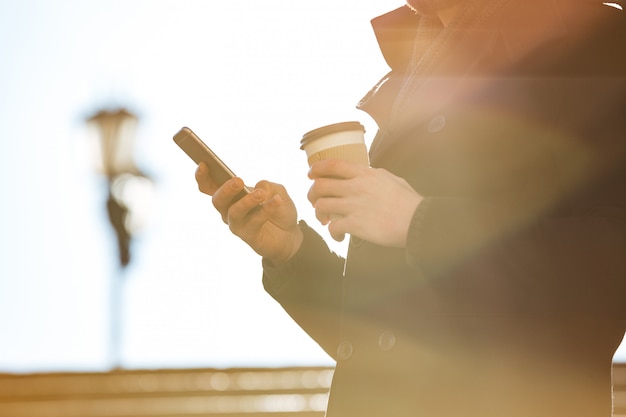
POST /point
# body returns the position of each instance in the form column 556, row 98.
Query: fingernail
column 258, row 195
column 236, row 184
column 276, row 200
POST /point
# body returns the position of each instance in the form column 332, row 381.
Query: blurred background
column 249, row 78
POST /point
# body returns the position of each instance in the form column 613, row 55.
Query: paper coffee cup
column 344, row 140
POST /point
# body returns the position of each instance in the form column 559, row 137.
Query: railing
column 261, row 392
column 284, row 392
column 619, row 390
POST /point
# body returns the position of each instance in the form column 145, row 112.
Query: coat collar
column 395, row 32
column 524, row 25
column 527, row 42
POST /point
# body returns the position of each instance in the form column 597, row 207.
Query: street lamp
column 126, row 186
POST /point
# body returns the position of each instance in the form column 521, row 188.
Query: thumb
column 334, row 228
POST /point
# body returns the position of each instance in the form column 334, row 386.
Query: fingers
column 330, row 209
column 332, row 179
column 245, row 220
column 328, row 188
column 228, row 195
column 336, row 234
column 204, row 180
column 254, row 209
column 240, row 209
column 336, row 168
column 337, row 214
column 270, row 188
column 267, row 204
column 274, row 193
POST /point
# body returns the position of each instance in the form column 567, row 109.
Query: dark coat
column 510, row 299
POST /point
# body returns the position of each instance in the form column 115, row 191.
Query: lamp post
column 115, row 130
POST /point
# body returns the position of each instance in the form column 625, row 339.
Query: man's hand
column 266, row 219
column 370, row 203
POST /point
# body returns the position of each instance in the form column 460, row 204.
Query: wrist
column 293, row 244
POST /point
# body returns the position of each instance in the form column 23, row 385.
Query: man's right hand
column 266, row 219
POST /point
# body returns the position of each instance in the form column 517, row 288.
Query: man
column 486, row 272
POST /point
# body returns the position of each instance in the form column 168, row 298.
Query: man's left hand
column 370, row 203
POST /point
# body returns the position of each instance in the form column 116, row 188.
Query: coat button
column 386, row 341
column 437, row 123
column 344, row 351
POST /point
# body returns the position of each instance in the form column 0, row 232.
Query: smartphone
column 198, row 151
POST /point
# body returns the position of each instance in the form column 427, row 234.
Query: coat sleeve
column 572, row 263
column 308, row 287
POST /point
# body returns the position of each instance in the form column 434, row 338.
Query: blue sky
column 249, row 77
